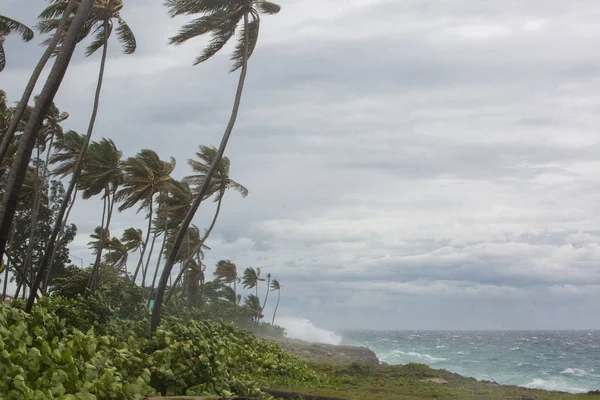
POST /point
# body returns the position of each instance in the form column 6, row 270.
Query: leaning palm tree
column 102, row 174
column 251, row 278
column 117, row 255
column 59, row 35
column 145, row 175
column 226, row 272
column 133, row 239
column 221, row 19
column 27, row 143
column 267, row 291
column 275, row 286
column 8, row 26
column 99, row 21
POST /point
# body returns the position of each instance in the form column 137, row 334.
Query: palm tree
column 133, row 240
column 145, row 175
column 252, row 303
column 8, row 26
column 117, row 255
column 50, row 49
column 99, row 21
column 102, row 174
column 27, row 142
column 251, row 278
column 267, row 291
column 221, row 19
column 275, row 286
column 226, row 272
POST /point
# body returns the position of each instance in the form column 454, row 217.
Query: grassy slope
column 408, row 382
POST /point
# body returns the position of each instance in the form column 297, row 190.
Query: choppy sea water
column 567, row 361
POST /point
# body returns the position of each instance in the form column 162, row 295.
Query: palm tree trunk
column 5, row 285
column 27, row 266
column 110, row 202
column 267, row 295
column 160, row 253
column 58, row 239
column 141, row 261
column 7, row 266
column 78, row 164
column 22, row 106
column 145, row 269
column 277, row 305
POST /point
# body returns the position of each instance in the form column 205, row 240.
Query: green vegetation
column 407, row 382
column 45, row 356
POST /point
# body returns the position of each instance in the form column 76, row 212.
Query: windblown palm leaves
column 99, row 23
column 68, row 148
column 102, row 170
column 117, row 255
column 252, row 303
column 275, row 286
column 220, row 181
column 221, row 19
column 251, row 278
column 7, row 27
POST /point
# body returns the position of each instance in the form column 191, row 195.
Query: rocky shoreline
column 327, row 353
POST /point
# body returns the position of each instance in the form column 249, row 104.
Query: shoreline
column 343, row 355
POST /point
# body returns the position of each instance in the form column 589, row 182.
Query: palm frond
column 198, row 27
column 8, row 26
column 221, row 36
column 266, row 7
column 238, row 53
column 99, row 41
column 54, row 11
column 126, row 37
column 189, row 7
column 2, row 56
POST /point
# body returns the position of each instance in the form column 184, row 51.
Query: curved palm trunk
column 206, row 235
column 7, row 266
column 58, row 239
column 110, row 203
column 277, row 305
column 267, row 295
column 22, row 106
column 162, row 285
column 141, row 260
column 78, row 165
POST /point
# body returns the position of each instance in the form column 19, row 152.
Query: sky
column 412, row 164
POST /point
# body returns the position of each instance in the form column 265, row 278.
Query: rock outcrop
column 327, row 353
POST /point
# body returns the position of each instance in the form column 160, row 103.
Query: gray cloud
column 432, row 161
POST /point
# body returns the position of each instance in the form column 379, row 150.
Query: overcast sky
column 412, row 164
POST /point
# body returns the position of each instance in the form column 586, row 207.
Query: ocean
column 567, row 361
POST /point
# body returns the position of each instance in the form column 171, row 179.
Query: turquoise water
column 567, row 361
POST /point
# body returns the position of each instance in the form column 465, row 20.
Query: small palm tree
column 133, row 239
column 8, row 26
column 267, row 291
column 251, row 278
column 275, row 286
column 145, row 175
column 252, row 303
column 117, row 255
column 221, row 19
column 226, row 272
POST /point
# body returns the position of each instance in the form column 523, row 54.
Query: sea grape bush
column 43, row 357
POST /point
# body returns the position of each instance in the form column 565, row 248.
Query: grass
column 409, row 382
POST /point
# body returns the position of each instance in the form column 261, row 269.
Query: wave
column 304, row 329
column 420, row 356
column 575, row 371
column 538, row 383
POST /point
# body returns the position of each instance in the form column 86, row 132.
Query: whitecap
column 574, row 371
column 514, row 348
column 538, row 383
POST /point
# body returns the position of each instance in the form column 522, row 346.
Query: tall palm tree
column 267, row 291
column 99, row 21
column 27, row 143
column 60, row 33
column 102, row 174
column 8, row 26
column 221, row 19
column 251, row 278
column 226, row 272
column 275, row 286
column 145, row 175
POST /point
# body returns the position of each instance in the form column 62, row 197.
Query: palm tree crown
column 8, row 26
column 220, row 19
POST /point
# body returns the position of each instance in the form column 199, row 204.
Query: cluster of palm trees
column 227, row 273
column 69, row 22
